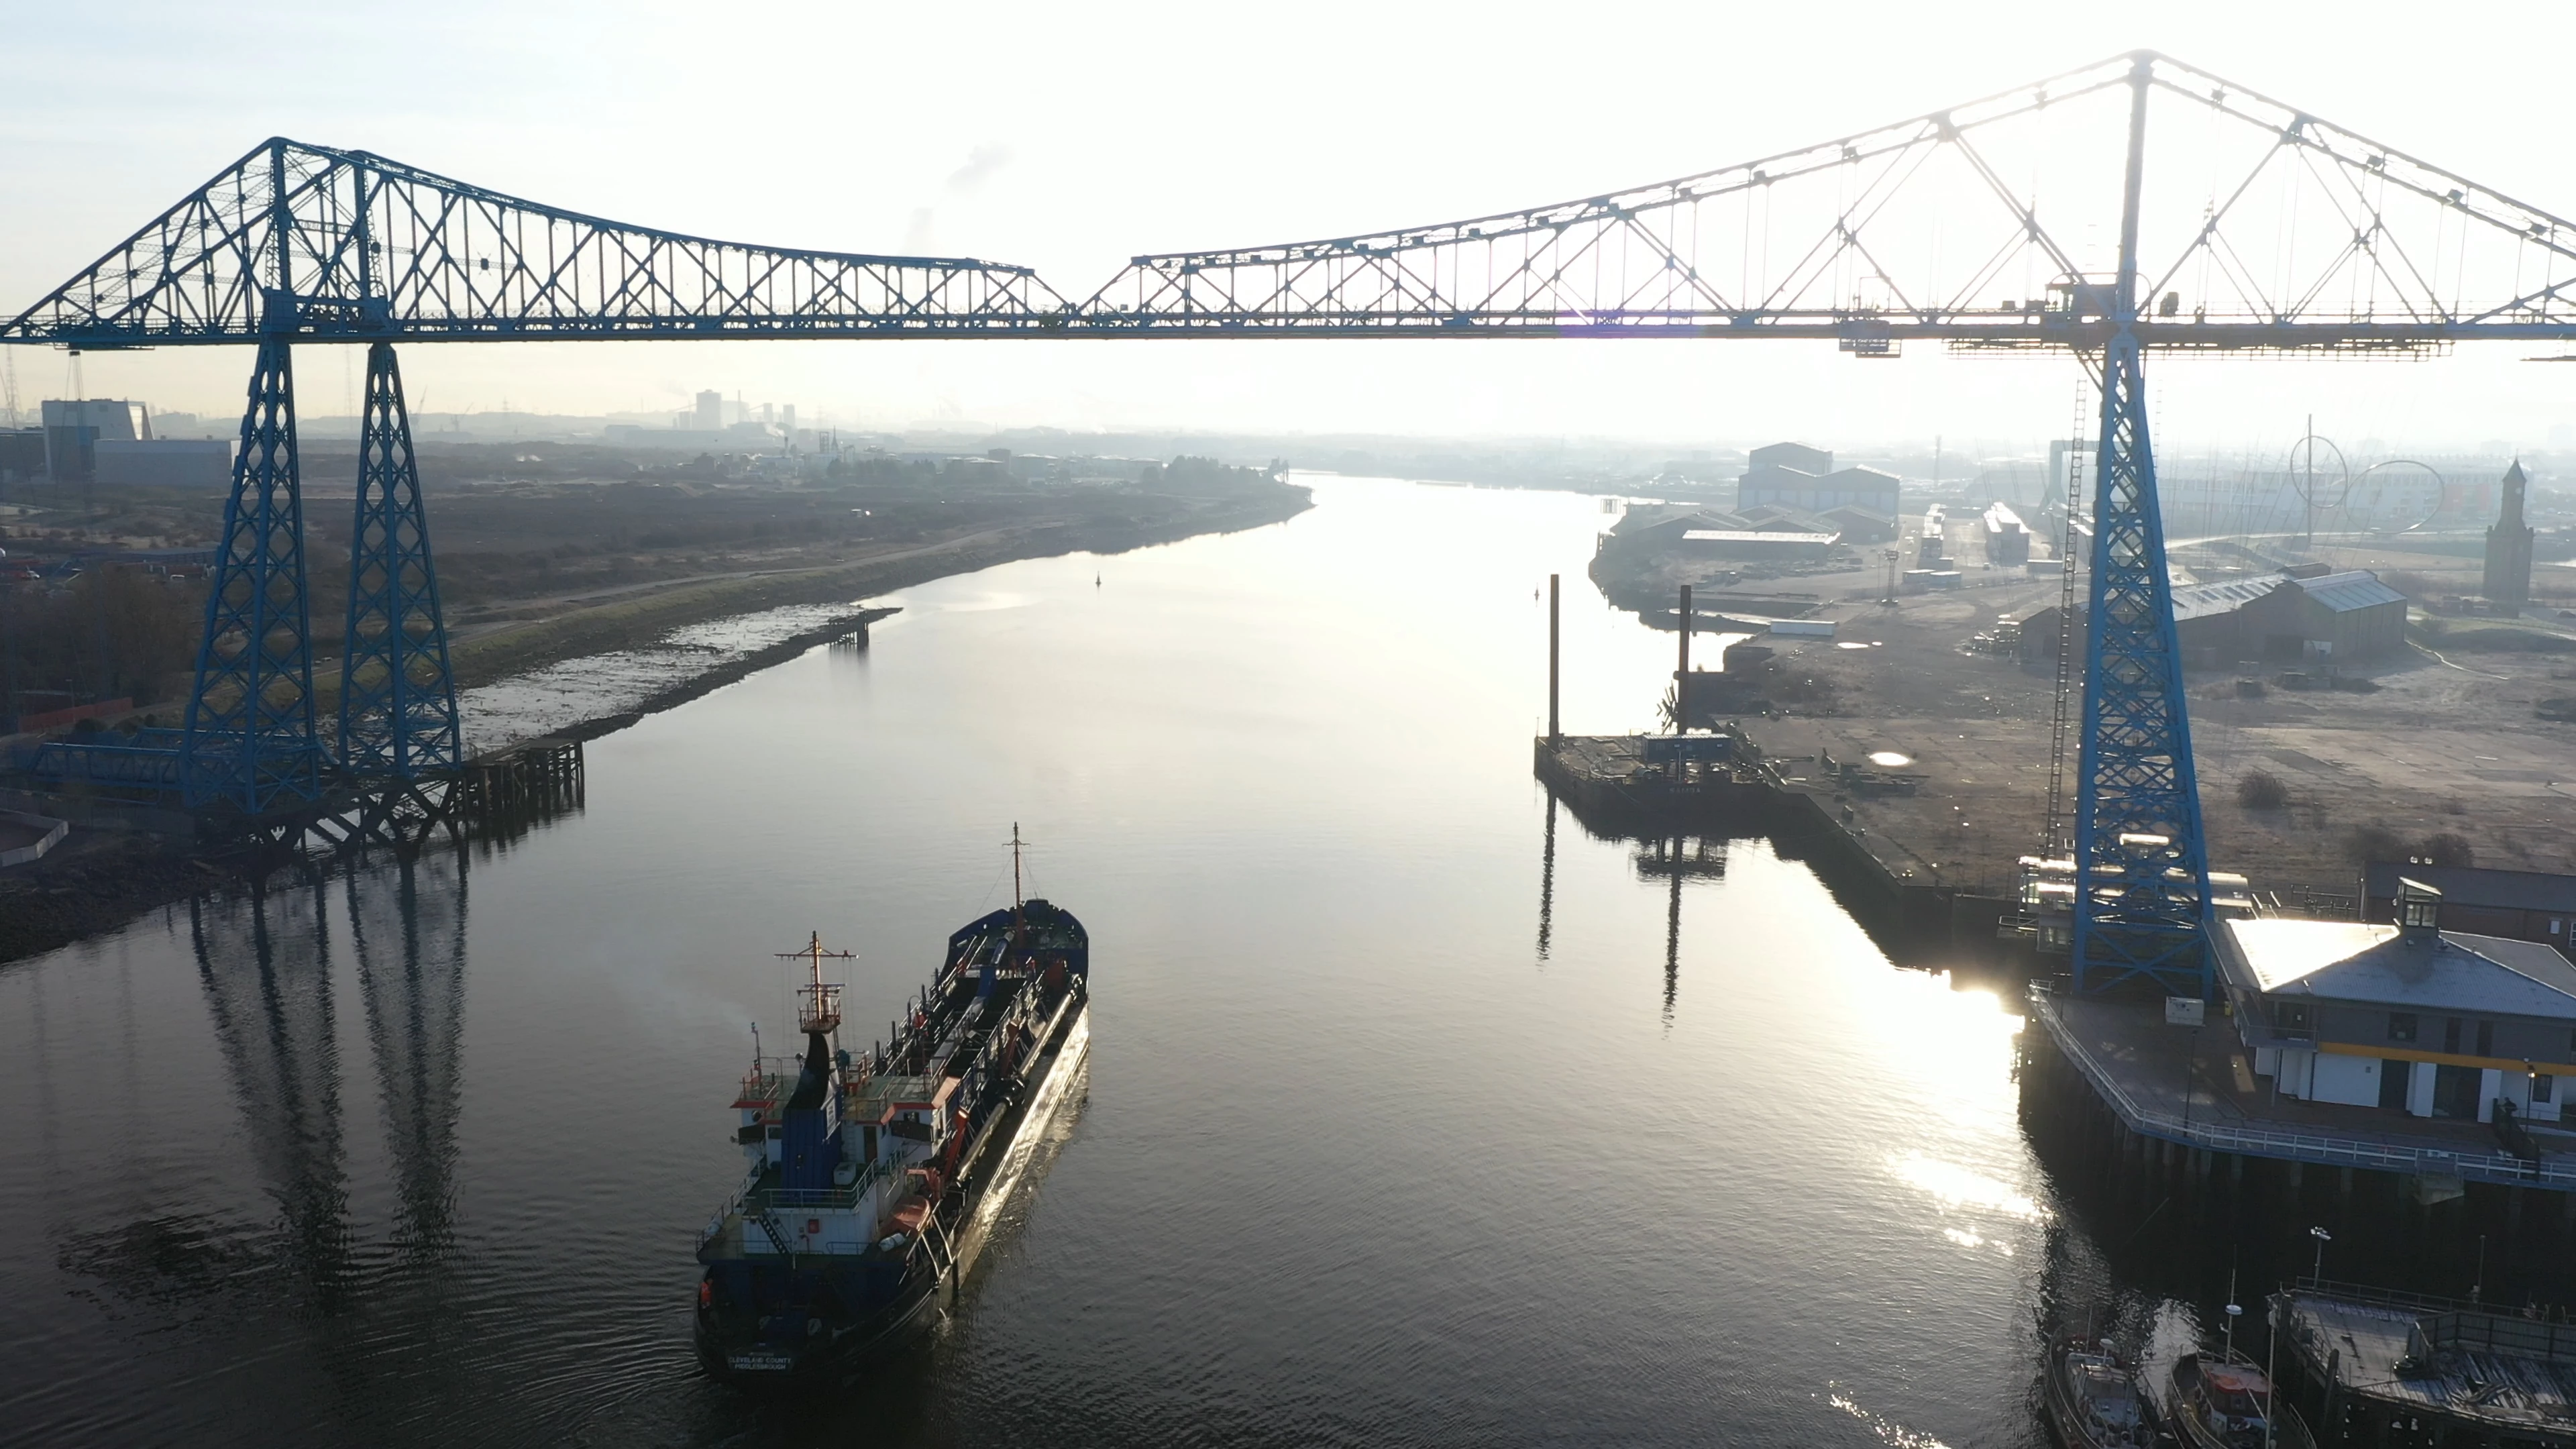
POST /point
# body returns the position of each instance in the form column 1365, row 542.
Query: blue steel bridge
column 2134, row 206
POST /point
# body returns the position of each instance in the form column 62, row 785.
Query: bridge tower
column 249, row 744
column 398, row 717
column 2141, row 858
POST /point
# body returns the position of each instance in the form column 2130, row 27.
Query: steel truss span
column 1983, row 225
column 315, row 244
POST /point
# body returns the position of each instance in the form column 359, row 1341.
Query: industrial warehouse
column 2306, row 614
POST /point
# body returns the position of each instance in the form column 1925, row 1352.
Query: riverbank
column 662, row 648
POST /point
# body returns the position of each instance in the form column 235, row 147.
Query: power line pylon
column 2141, row 858
column 398, row 718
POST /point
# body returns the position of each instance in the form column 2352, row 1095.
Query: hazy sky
column 1068, row 137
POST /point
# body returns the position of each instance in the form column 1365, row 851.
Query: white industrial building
column 2407, row 1017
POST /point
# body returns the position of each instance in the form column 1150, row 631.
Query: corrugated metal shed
column 2199, row 601
column 2351, row 589
column 1738, row 535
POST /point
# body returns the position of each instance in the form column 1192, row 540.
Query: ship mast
column 1018, row 950
column 818, row 1003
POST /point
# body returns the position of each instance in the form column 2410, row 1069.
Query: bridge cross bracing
column 2258, row 227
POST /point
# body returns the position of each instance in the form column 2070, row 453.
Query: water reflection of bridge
column 264, row 961
column 408, row 934
column 334, row 1253
column 267, row 964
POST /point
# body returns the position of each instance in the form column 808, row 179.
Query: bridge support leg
column 398, row 717
column 2141, row 862
column 249, row 743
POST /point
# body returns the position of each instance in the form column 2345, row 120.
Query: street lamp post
column 2318, row 1273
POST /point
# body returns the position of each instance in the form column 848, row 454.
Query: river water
column 1414, row 1114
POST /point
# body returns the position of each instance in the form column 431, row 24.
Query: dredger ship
column 863, row 1174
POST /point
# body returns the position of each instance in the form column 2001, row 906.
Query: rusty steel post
column 1554, row 734
column 1681, row 681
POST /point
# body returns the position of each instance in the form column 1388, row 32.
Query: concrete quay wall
column 1912, row 916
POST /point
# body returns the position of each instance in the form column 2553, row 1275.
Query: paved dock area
column 1964, row 827
column 2197, row 1087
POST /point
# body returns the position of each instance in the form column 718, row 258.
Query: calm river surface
column 1372, row 1152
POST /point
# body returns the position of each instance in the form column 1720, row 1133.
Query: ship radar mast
column 818, row 1002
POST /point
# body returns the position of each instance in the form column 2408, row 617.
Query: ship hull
column 898, row 1314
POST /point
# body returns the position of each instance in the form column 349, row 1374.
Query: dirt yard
column 2449, row 744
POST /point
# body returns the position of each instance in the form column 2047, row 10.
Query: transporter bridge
column 2029, row 221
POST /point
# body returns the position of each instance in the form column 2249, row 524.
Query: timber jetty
column 2374, row 1367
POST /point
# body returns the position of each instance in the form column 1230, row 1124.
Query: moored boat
column 864, row 1174
column 2216, row 1401
column 2092, row 1398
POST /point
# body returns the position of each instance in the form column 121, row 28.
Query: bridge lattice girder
column 318, row 244
column 1982, row 225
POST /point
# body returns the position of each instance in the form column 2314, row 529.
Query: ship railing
column 2390, row 1298
column 2225, row 1136
column 753, row 1203
column 834, row 1198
